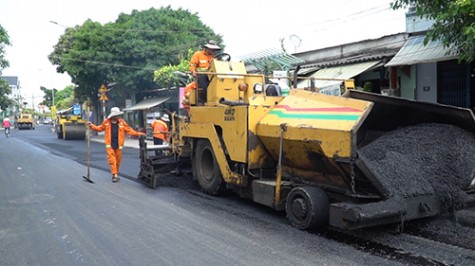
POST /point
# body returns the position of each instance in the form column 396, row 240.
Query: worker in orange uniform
column 160, row 130
column 187, row 94
column 200, row 62
column 114, row 138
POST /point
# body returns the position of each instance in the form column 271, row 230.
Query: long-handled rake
column 88, row 177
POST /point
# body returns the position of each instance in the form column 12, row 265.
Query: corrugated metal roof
column 352, row 60
column 260, row 58
column 337, row 73
column 415, row 52
column 383, row 48
column 147, row 103
column 305, row 71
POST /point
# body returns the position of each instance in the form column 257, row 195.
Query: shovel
column 88, row 177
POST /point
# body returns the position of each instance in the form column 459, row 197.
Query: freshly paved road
column 50, row 216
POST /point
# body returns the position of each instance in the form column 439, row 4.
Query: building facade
column 363, row 61
column 430, row 72
column 15, row 95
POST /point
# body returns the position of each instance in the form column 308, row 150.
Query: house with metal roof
column 430, row 72
column 400, row 65
column 362, row 61
column 15, row 94
column 14, row 84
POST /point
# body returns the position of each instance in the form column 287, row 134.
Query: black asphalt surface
column 50, row 216
column 76, row 150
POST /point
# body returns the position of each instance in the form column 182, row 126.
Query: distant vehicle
column 47, row 121
column 26, row 121
column 69, row 124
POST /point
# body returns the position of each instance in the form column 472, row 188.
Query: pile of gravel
column 424, row 159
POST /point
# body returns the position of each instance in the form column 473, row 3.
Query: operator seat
column 273, row 90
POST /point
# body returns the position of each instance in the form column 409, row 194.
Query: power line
column 329, row 23
column 105, row 64
column 333, row 23
column 104, row 28
column 153, row 69
column 358, row 14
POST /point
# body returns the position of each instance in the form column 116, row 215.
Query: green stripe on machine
column 315, row 116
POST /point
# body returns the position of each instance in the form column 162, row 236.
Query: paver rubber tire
column 307, row 207
column 206, row 170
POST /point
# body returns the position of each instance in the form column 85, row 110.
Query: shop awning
column 415, row 52
column 339, row 73
column 147, row 103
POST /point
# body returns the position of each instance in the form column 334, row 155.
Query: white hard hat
column 115, row 111
column 213, row 45
column 165, row 118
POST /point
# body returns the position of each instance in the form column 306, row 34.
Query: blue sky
column 247, row 26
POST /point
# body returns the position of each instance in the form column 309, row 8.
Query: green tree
column 127, row 51
column 4, row 41
column 5, row 90
column 454, row 23
column 80, row 52
column 63, row 99
column 174, row 75
column 66, row 98
column 48, row 98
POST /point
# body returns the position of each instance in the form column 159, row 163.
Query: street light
column 55, row 23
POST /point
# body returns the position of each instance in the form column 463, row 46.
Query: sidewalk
column 129, row 142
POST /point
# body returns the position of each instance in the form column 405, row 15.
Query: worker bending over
column 160, row 130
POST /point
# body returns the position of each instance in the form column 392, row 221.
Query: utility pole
column 103, row 98
column 104, row 110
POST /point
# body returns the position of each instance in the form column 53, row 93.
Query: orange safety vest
column 189, row 87
column 200, row 61
column 158, row 127
column 187, row 93
column 123, row 128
